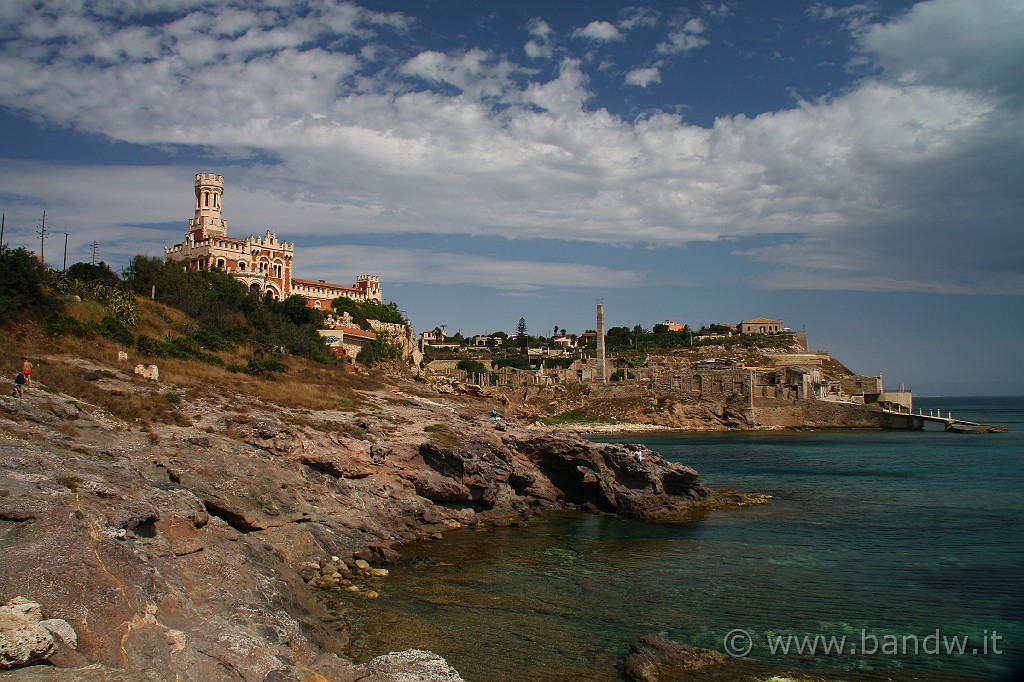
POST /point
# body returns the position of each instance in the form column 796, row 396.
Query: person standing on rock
column 19, row 383
column 26, row 368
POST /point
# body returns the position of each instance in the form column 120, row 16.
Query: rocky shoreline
column 199, row 551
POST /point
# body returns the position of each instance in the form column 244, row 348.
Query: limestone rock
column 411, row 665
column 25, row 638
column 151, row 372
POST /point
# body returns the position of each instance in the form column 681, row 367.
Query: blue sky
column 852, row 168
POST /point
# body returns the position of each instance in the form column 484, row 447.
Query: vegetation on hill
column 225, row 325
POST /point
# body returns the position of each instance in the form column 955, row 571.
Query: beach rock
column 654, row 658
column 409, row 665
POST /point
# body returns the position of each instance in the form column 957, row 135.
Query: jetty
column 907, row 420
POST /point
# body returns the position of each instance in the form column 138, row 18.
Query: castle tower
column 208, row 223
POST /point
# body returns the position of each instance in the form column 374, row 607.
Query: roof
column 322, row 285
column 355, row 332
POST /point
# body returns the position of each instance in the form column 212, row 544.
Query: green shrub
column 115, row 330
column 59, row 323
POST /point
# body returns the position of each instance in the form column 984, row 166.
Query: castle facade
column 263, row 264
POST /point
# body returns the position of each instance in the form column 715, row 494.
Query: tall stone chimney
column 602, row 373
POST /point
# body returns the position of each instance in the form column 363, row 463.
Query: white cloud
column 643, row 77
column 542, row 45
column 600, row 32
column 638, row 17
column 420, row 266
column 686, row 38
column 873, row 188
column 956, row 43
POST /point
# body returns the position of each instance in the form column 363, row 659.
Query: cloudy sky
column 854, row 169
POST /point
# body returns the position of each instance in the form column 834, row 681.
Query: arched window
column 215, row 201
column 220, row 263
column 241, row 266
column 206, row 199
column 254, row 289
column 316, row 304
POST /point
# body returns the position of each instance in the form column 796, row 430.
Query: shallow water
column 875, row 536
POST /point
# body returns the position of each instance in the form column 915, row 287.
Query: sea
column 897, row 551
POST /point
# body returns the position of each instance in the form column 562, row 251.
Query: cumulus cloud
column 686, row 38
column 599, row 32
column 643, row 77
column 541, row 45
column 870, row 188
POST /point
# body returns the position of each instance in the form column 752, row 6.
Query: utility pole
column 3, row 223
column 65, row 252
column 41, row 231
column 94, row 250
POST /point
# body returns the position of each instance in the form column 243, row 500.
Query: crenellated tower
column 264, row 264
column 208, row 221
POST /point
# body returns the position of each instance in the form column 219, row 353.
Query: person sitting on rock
column 639, row 454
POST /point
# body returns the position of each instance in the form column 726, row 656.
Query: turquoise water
column 887, row 538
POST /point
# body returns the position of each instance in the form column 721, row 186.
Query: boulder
column 151, row 372
column 25, row 638
column 411, row 664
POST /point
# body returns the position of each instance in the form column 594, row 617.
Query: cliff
column 191, row 541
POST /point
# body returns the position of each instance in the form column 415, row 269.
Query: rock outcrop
column 196, row 552
column 26, row 638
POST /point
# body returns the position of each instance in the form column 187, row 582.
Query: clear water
column 875, row 534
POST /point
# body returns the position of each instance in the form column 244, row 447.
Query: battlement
column 262, row 262
column 209, row 179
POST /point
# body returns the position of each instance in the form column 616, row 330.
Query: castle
column 263, row 264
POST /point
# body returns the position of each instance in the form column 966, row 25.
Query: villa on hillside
column 264, row 264
column 761, row 325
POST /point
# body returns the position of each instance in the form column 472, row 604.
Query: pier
column 908, row 420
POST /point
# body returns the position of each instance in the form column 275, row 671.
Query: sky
column 854, row 169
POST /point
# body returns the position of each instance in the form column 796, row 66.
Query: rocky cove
column 200, row 549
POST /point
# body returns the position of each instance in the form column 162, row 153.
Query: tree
column 23, row 285
column 471, row 367
column 521, row 337
column 87, row 272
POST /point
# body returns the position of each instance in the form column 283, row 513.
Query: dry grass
column 68, row 430
column 306, row 385
column 444, row 435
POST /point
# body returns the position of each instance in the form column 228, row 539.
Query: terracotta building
column 263, row 264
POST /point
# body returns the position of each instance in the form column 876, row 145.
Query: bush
column 380, row 351
column 59, row 323
column 115, row 330
column 471, row 367
column 23, row 286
